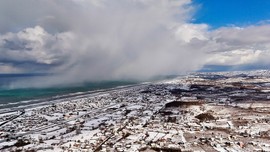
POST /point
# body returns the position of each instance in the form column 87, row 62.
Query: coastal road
column 12, row 118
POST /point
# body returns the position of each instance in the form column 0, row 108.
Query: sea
column 15, row 97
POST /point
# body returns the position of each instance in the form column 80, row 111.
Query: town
column 225, row 111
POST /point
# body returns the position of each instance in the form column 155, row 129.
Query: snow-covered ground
column 226, row 111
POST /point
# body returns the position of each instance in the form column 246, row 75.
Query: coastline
column 62, row 98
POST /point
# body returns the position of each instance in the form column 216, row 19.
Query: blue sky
column 218, row 13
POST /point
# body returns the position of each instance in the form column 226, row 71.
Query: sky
column 232, row 12
column 91, row 40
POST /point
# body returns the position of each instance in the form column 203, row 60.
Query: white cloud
column 187, row 32
column 235, row 57
column 240, row 45
column 33, row 45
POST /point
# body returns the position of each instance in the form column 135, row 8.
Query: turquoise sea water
column 10, row 97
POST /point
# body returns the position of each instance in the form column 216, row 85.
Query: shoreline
column 58, row 99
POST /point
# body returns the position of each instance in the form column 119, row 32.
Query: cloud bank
column 80, row 40
column 235, row 46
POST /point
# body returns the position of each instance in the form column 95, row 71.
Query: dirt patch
column 167, row 149
column 240, row 122
column 181, row 103
column 205, row 117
